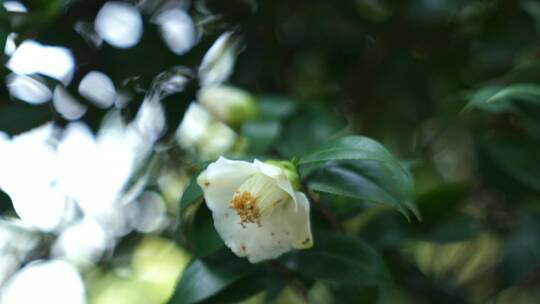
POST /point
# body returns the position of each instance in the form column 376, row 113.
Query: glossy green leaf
column 347, row 148
column 249, row 285
column 204, row 279
column 496, row 98
column 342, row 259
column 360, row 168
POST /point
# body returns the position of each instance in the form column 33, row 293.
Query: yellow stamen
column 245, row 205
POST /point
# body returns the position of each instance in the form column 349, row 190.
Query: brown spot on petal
column 207, row 183
column 306, row 241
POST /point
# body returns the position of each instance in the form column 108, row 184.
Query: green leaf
column 517, row 157
column 19, row 117
column 343, row 293
column 521, row 249
column 442, row 201
column 276, row 107
column 261, row 134
column 202, row 234
column 249, row 285
column 443, row 221
column 360, row 168
column 308, row 128
column 342, row 259
column 496, row 98
column 204, row 279
column 347, row 148
column 457, row 228
column 4, row 28
column 5, row 202
column 191, row 195
column 196, row 220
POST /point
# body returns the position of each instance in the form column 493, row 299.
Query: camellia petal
column 221, row 179
column 301, row 229
column 255, row 209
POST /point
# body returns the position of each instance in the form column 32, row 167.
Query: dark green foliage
column 415, row 127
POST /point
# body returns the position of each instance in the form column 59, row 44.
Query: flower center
column 245, row 205
column 257, row 196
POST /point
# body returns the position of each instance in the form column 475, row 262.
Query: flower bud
column 229, row 104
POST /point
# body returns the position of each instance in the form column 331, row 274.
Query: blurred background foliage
column 451, row 87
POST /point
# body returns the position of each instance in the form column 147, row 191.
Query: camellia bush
column 244, row 151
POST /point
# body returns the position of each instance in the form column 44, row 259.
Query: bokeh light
column 67, row 105
column 119, row 24
column 177, row 30
column 98, row 88
column 28, row 89
column 53, row 281
column 32, row 57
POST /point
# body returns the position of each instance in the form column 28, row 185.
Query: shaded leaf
column 251, row 284
column 518, row 158
column 204, row 279
column 341, row 258
column 18, row 116
column 5, row 201
column 308, row 128
column 4, row 28
column 521, row 251
column 496, row 98
column 191, row 195
column 276, row 107
column 261, row 134
column 360, row 168
column 202, row 234
column 344, row 293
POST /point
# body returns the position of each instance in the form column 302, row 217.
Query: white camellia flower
column 256, row 211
